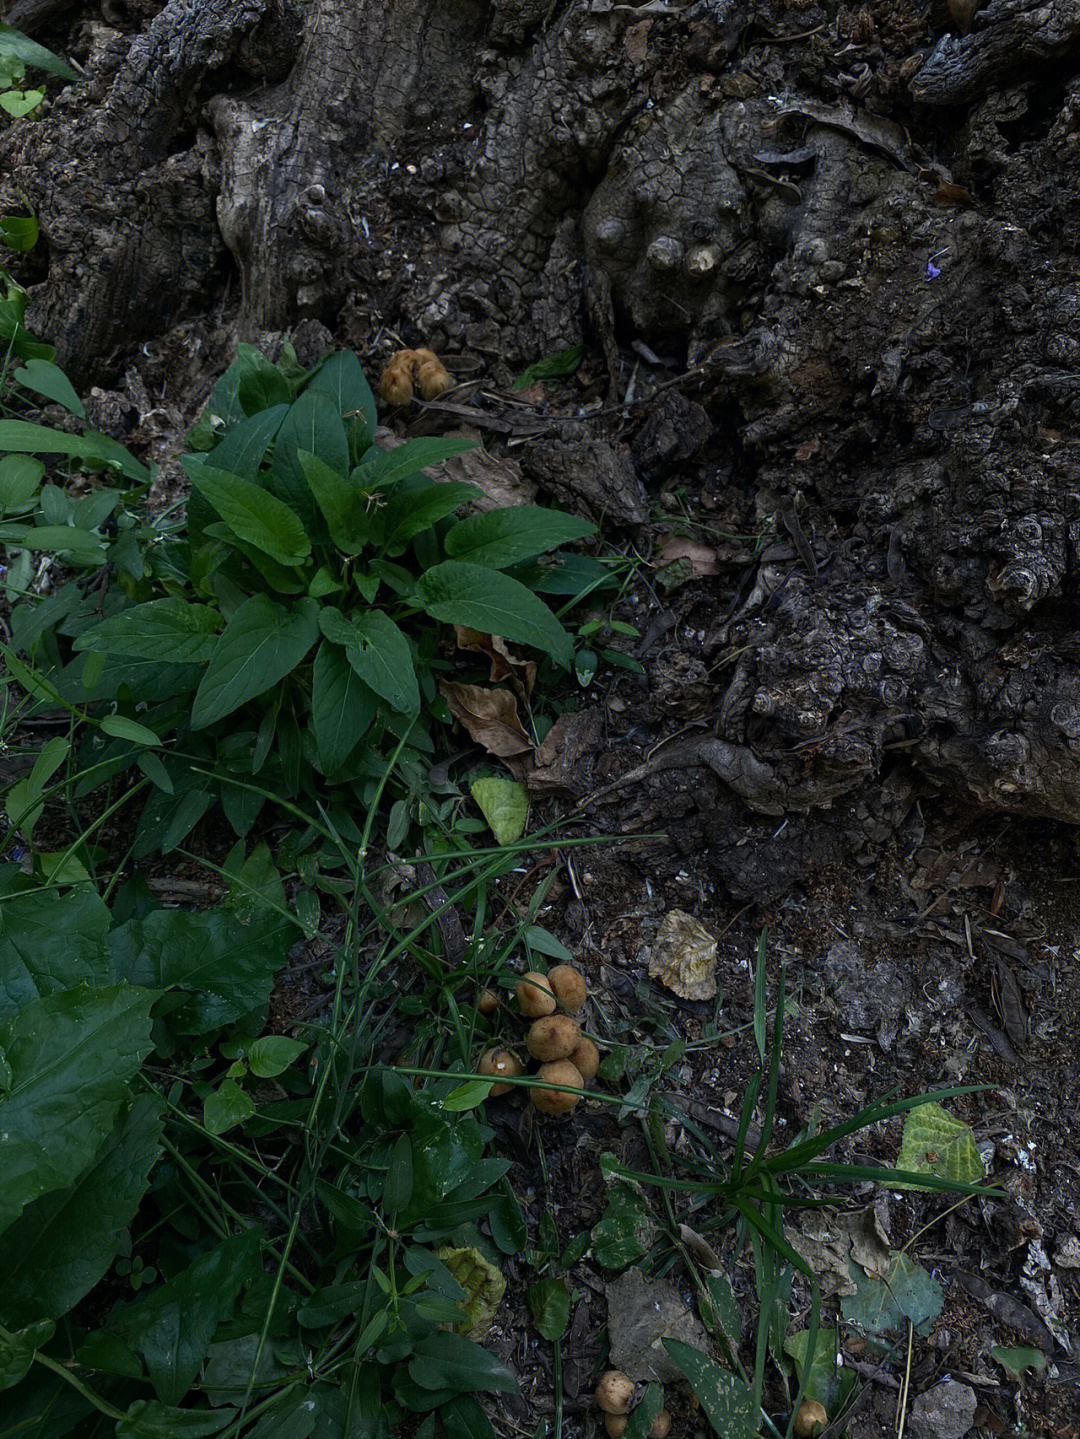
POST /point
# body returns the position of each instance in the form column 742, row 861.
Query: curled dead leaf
column 684, row 956
column 702, row 557
column 491, row 718
column 504, row 664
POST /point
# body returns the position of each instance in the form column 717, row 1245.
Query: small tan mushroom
column 615, row 1392
column 534, row 995
column 568, row 987
column 488, row 1002
column 585, row 1057
column 661, row 1426
column 615, row 1424
column 811, row 1418
column 556, row 1036
column 557, row 1101
column 500, row 1061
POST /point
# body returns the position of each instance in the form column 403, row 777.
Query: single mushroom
column 555, row 1036
column 557, row 1101
column 615, row 1392
column 500, row 1061
column 811, row 1418
column 661, row 1426
column 534, row 995
column 615, row 1424
column 568, row 987
column 585, row 1057
column 664, row 253
column 488, row 1002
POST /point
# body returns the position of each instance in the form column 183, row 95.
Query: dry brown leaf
column 684, row 956
column 500, row 479
column 636, row 41
column 491, row 718
column 702, row 557
column 564, row 760
column 504, row 665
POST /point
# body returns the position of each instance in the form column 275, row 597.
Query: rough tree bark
column 859, row 228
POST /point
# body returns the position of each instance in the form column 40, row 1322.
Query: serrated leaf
column 378, row 652
column 260, row 645
column 940, row 1144
column 172, row 1326
column 489, row 601
column 504, row 804
column 169, row 629
column 342, row 707
column 728, row 1402
column 71, row 1055
column 63, row 1243
column 907, row 1291
column 253, row 514
column 501, row 538
column 549, row 1301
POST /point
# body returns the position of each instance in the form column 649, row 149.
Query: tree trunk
column 852, row 228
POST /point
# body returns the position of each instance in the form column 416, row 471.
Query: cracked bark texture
column 864, row 237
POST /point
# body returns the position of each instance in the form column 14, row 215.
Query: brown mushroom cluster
column 616, row 1395
column 565, row 1056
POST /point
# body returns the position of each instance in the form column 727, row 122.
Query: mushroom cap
column 585, row 1057
column 556, row 1036
column 811, row 1417
column 557, row 1101
column 661, row 1426
column 500, row 1061
column 568, row 986
column 488, row 1001
column 615, row 1424
column 615, row 1392
column 534, row 995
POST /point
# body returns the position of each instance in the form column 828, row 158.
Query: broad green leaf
column 149, row 1419
column 645, row 1413
column 341, row 502
column 20, row 482
column 332, row 1304
column 17, row 1351
column 260, row 385
column 566, row 574
column 120, row 727
column 342, row 707
column 20, row 102
column 254, row 514
column 314, row 425
column 349, row 1212
column 378, row 652
column 341, row 376
column 171, row 630
column 24, row 802
column 728, row 1401
column 63, row 1243
column 463, row 1418
column 172, row 1326
column 486, row 600
column 549, row 1301
column 45, row 378
column 51, row 942
column 719, row 1308
column 822, row 1379
column 26, row 438
column 414, row 506
column 19, row 232
column 227, row 1107
column 14, row 42
column 906, row 1292
column 260, row 645
column 272, row 1054
column 1016, row 1362
column 294, row 1418
column 504, row 804
column 938, row 1143
column 625, row 1232
column 500, row 538
column 450, row 1361
column 243, row 449
column 71, row 1055
column 78, row 547
column 552, row 367
column 227, row 966
column 544, row 942
column 382, row 468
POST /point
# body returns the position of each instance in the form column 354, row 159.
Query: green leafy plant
column 287, row 633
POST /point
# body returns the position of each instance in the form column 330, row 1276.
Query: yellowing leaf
column 684, row 956
column 938, row 1143
column 505, row 806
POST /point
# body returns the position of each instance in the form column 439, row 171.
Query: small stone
column 945, row 1412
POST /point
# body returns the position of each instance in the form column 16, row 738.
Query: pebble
column 945, row 1412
